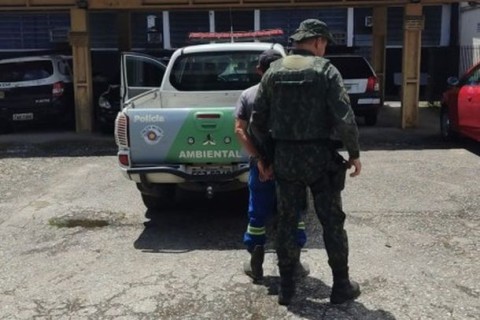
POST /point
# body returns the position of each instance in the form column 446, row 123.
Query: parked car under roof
column 362, row 85
column 35, row 89
column 460, row 110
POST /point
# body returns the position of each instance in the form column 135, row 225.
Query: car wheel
column 164, row 198
column 371, row 119
column 445, row 125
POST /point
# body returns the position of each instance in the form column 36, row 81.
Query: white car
column 362, row 85
column 36, row 89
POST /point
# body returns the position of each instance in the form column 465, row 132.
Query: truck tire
column 5, row 126
column 164, row 198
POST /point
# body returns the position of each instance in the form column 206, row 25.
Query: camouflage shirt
column 302, row 98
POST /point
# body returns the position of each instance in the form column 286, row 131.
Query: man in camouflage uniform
column 301, row 103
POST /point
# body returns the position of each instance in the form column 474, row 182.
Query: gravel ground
column 75, row 243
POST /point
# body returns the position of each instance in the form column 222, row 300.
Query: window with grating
column 238, row 20
column 288, row 20
column 182, row 23
column 20, row 31
column 104, row 30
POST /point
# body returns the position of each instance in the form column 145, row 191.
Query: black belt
column 325, row 141
column 334, row 144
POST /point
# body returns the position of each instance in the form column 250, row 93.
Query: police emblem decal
column 152, row 134
column 209, row 141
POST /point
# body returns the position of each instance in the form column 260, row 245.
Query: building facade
column 163, row 31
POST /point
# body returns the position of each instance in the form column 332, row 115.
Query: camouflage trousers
column 298, row 167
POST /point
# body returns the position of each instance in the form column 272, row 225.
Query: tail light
column 58, row 89
column 372, row 84
column 121, row 131
column 124, row 159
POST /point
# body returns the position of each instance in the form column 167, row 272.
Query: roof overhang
column 200, row 4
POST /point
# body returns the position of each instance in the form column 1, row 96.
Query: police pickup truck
column 175, row 129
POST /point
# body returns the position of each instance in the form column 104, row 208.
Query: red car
column 460, row 113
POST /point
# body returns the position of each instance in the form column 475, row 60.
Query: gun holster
column 337, row 171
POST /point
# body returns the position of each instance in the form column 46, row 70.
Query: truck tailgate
column 183, row 136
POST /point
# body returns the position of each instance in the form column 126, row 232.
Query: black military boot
column 253, row 268
column 287, row 286
column 302, row 270
column 343, row 289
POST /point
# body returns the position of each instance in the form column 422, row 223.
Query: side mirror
column 452, row 81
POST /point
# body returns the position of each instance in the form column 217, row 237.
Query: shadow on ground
column 196, row 223
column 311, row 301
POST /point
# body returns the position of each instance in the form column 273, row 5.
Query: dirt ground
column 76, row 243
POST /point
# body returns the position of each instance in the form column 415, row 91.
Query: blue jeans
column 261, row 207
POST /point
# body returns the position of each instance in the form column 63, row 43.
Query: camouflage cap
column 311, row 28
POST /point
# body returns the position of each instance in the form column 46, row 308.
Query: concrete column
column 412, row 44
column 379, row 44
column 256, row 20
column 350, row 26
column 211, row 20
column 82, row 70
column 166, row 30
column 446, row 19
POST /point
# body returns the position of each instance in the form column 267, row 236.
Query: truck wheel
column 371, row 119
column 164, row 198
column 5, row 126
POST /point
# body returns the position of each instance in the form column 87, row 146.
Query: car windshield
column 351, row 67
column 25, row 71
column 213, row 71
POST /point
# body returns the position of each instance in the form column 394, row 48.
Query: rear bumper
column 55, row 109
column 178, row 174
column 363, row 104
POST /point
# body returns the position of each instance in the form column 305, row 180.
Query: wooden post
column 82, row 70
column 379, row 44
column 412, row 44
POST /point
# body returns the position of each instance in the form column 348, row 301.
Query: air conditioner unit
column 368, row 21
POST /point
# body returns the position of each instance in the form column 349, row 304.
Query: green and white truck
column 176, row 126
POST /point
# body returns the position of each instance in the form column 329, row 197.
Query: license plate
column 2, row 95
column 22, row 116
column 209, row 170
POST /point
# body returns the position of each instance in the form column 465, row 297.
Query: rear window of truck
column 215, row 71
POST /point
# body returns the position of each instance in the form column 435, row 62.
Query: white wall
column 469, row 35
column 469, row 24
